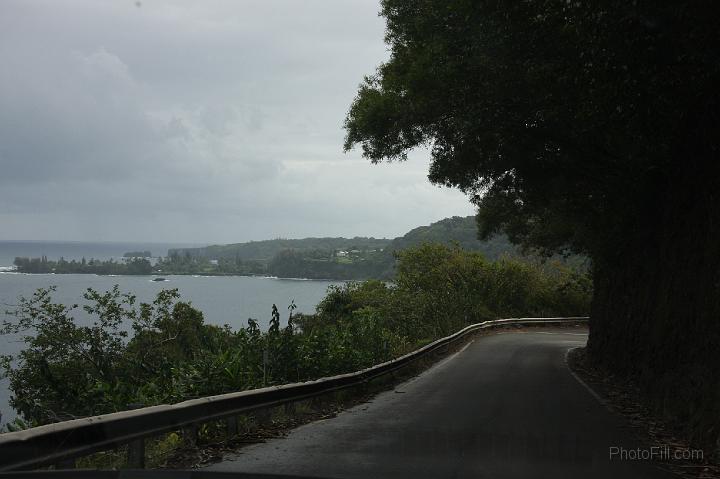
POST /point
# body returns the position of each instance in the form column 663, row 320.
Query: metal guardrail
column 55, row 443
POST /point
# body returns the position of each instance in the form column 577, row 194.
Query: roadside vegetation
column 146, row 354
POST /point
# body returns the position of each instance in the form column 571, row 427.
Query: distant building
column 214, row 262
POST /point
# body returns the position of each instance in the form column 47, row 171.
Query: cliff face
column 656, row 309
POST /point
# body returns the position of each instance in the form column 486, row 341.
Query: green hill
column 461, row 230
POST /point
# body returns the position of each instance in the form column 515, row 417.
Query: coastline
column 197, row 275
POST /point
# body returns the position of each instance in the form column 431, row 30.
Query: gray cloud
column 208, row 121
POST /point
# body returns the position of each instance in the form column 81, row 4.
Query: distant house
column 214, row 262
column 342, row 253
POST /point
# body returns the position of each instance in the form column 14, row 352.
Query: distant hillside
column 267, row 249
column 330, row 258
column 462, row 230
column 458, row 229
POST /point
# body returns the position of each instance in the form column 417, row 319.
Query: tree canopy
column 561, row 119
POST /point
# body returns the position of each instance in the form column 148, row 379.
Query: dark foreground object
column 140, row 474
column 506, row 406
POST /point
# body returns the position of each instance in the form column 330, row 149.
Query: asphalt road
column 506, row 406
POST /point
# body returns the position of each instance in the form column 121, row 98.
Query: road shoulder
column 624, row 399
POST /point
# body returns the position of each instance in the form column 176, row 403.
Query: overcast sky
column 199, row 121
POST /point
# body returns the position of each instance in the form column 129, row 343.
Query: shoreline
column 199, row 275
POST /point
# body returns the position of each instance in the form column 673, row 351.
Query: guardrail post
column 136, row 448
column 316, row 403
column 262, row 416
column 136, row 454
column 190, row 435
column 232, row 426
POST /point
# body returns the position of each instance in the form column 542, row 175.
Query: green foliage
column 188, row 263
column 134, row 265
column 560, row 118
column 449, row 288
column 456, row 230
column 69, row 370
column 65, row 364
column 267, row 249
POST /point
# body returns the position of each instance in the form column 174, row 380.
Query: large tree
column 588, row 126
